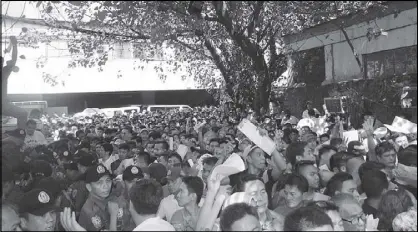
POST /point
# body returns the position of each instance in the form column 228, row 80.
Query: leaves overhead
column 234, row 45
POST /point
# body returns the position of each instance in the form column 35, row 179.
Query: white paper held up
column 233, row 165
column 351, row 136
column 182, row 150
column 263, row 142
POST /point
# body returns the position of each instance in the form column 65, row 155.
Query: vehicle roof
column 166, row 105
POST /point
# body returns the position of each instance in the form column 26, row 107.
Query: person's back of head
column 335, row 142
column 338, row 162
column 335, row 184
column 145, row 196
column 294, row 150
column 374, row 183
column 232, row 215
column 393, row 202
column 308, row 219
column 368, row 166
column 408, row 156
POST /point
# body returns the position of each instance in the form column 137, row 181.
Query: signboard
column 336, row 105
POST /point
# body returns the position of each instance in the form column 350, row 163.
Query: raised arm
column 207, row 208
column 13, row 41
column 368, row 127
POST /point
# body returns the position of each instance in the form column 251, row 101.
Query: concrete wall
column 339, row 60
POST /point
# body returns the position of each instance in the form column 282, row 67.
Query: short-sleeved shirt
column 168, row 207
column 124, row 218
column 93, row 215
column 77, row 196
column 32, row 141
column 154, row 224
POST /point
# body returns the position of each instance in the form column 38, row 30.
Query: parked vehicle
column 153, row 108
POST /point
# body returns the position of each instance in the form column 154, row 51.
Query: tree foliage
column 233, row 45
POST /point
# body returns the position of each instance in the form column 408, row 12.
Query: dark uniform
column 94, row 215
column 77, row 193
column 124, row 218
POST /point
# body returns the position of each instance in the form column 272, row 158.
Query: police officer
column 124, row 220
column 77, row 193
column 94, row 215
column 37, row 210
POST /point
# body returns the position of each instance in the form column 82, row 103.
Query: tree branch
column 92, row 32
column 174, row 38
column 255, row 15
column 219, row 64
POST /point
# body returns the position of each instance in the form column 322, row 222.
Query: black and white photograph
column 209, row 115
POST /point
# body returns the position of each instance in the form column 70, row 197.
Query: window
column 391, row 62
column 122, row 51
column 144, row 52
column 309, row 66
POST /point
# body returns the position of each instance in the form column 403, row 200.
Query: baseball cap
column 71, row 166
column 96, row 172
column 174, row 173
column 86, row 160
column 40, row 167
column 157, row 171
column 50, row 184
column 19, row 133
column 37, row 202
column 132, row 172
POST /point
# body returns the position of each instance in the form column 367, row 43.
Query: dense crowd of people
column 196, row 170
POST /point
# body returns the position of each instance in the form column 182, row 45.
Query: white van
column 153, row 108
column 130, row 109
column 110, row 112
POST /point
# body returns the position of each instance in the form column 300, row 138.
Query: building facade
column 384, row 40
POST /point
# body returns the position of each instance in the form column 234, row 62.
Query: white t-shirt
column 31, row 141
column 305, row 113
column 154, row 224
column 109, row 161
column 168, row 207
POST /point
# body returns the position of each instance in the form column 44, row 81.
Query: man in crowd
column 161, row 189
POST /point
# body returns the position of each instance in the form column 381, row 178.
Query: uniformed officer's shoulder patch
column 134, row 170
column 120, row 213
column 97, row 222
column 100, row 169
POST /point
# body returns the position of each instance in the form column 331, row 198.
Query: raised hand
column 214, row 183
column 368, row 126
column 69, row 222
column 371, row 223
